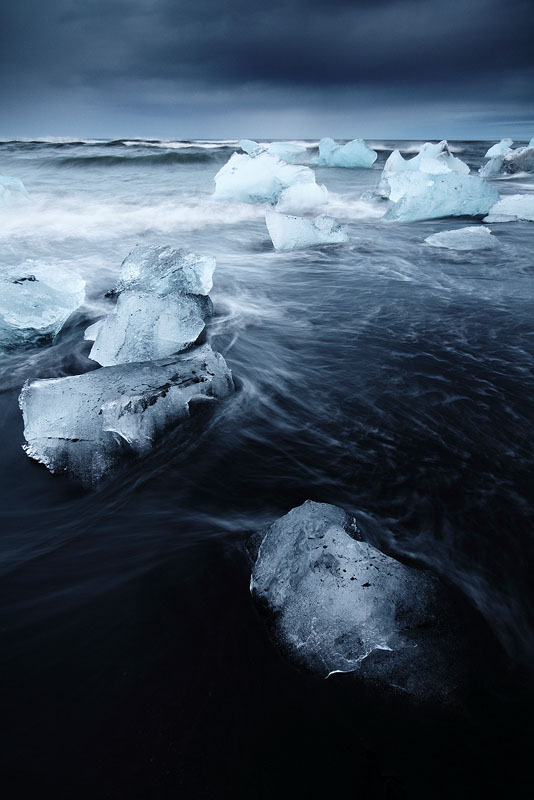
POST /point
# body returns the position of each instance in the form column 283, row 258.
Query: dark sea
column 386, row 376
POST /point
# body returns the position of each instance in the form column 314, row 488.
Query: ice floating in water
column 511, row 208
column 11, row 189
column 418, row 196
column 145, row 326
column 432, row 158
column 335, row 599
column 250, row 147
column 287, row 151
column 83, row 424
column 163, row 269
column 258, row 178
column 499, row 149
column 472, row 238
column 295, row 233
column 520, row 160
column 302, row 197
column 35, row 302
column 353, row 154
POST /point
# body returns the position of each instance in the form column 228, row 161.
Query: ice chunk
column 295, row 233
column 432, row 158
column 511, row 208
column 84, row 424
column 302, row 197
column 257, row 179
column 531, row 143
column 11, row 189
column 334, row 599
column 472, row 238
column 287, row 151
column 144, row 326
column 162, row 269
column 250, row 147
column 418, row 196
column 520, row 160
column 353, row 154
column 499, row 149
column 35, row 302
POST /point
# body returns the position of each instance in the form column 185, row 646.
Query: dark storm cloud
column 127, row 51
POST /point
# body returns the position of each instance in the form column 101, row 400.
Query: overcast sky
column 278, row 69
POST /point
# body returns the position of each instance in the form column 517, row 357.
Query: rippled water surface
column 386, row 376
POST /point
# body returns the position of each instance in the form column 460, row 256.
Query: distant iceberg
column 499, row 149
column 432, row 158
column 259, row 178
column 35, row 302
column 85, row 423
column 417, row 195
column 471, row 238
column 295, row 233
column 353, row 154
column 511, row 208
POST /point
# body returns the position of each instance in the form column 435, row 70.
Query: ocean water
column 385, row 376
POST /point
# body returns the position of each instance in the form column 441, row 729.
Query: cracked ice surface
column 83, row 424
column 418, row 196
column 164, row 269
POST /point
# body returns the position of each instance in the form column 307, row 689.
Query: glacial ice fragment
column 432, row 158
column 144, row 326
column 11, row 189
column 333, row 599
column 35, row 302
column 164, row 269
column 418, row 196
column 287, row 151
column 353, row 154
column 511, row 208
column 471, row 238
column 520, row 160
column 295, row 233
column 258, row 179
column 500, row 149
column 85, row 423
column 251, row 147
column 302, row 197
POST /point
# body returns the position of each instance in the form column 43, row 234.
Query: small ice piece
column 258, row 179
column 302, row 197
column 11, row 189
column 35, row 302
column 418, row 196
column 163, row 269
column 432, row 158
column 512, row 208
column 332, row 598
column 500, row 149
column 471, row 238
column 353, row 154
column 287, row 151
column 85, row 423
column 531, row 143
column 144, row 326
column 295, row 233
column 520, row 160
column 250, row 147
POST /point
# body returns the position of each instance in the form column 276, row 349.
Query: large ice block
column 164, row 269
column 295, row 233
column 500, row 149
column 418, row 196
column 11, row 189
column 259, row 178
column 144, row 326
column 302, row 197
column 84, row 424
column 511, row 208
column 333, row 599
column 353, row 154
column 35, row 302
column 471, row 238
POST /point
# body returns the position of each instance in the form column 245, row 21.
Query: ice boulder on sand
column 259, row 178
column 144, row 326
column 353, row 154
column 35, row 302
column 295, row 233
column 11, row 189
column 471, row 238
column 302, row 197
column 84, row 424
column 417, row 195
column 164, row 269
column 511, row 208
column 333, row 599
column 499, row 149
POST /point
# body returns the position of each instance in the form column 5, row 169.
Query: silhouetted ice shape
column 295, row 233
column 332, row 598
column 11, row 189
column 83, row 424
column 353, row 154
column 163, row 269
column 302, row 197
column 418, row 196
column 144, row 326
column 471, row 238
column 499, row 149
column 259, row 178
column 35, row 302
column 511, row 208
